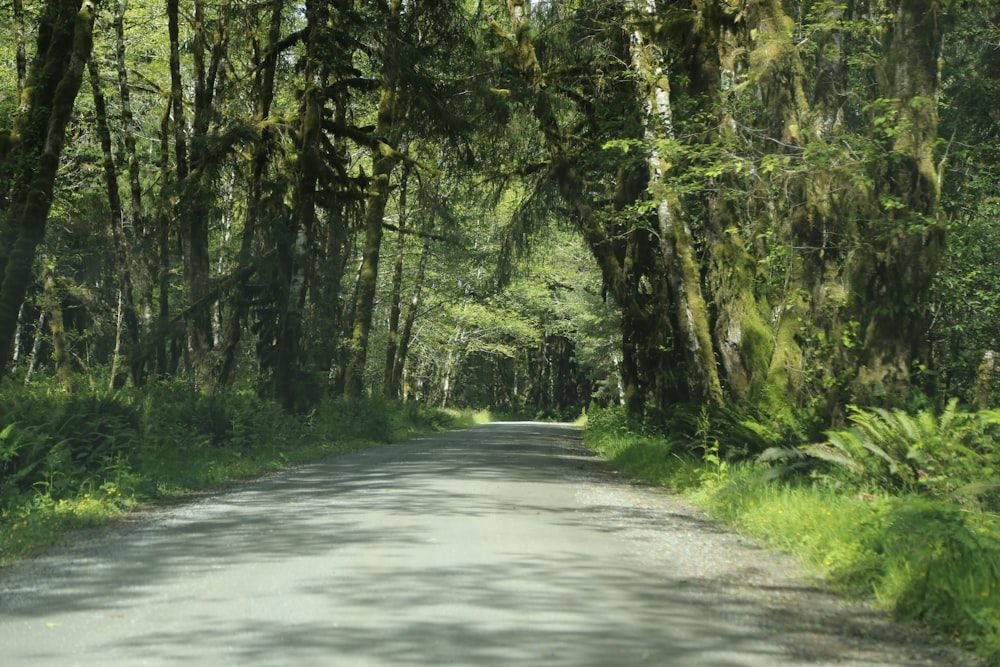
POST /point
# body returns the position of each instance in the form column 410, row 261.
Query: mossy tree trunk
column 172, row 183
column 385, row 158
column 29, row 155
column 677, row 254
column 631, row 260
column 779, row 76
column 406, row 334
column 389, row 388
column 161, row 343
column 60, row 346
column 985, row 379
column 892, row 286
column 290, row 230
column 137, row 233
column 20, row 46
column 209, row 47
column 819, row 269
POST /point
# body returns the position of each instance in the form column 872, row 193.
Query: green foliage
column 925, row 560
column 644, row 456
column 967, row 288
column 948, row 455
column 738, row 434
column 59, row 442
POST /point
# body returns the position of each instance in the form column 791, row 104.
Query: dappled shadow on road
column 478, row 616
column 431, row 552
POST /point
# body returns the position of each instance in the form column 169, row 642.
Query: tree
column 30, row 151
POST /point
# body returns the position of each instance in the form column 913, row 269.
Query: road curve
column 469, row 548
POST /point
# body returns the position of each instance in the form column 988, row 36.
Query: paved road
column 469, row 548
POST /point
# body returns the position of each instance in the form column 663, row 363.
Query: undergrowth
column 923, row 543
column 70, row 462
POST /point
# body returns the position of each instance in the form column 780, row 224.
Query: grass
column 76, row 462
column 922, row 558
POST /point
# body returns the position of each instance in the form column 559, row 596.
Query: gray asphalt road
column 469, row 548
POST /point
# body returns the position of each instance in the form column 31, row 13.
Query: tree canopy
column 777, row 207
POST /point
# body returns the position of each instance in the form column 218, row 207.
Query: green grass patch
column 923, row 558
column 69, row 462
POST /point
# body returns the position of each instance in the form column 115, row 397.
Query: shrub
column 948, row 455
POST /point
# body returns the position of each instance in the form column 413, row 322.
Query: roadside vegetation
column 898, row 508
column 75, row 461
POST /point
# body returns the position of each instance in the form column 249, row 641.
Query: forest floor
column 497, row 545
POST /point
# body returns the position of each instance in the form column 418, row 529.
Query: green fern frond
column 836, row 456
column 772, row 454
column 948, row 416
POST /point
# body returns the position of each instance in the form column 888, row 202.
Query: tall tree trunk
column 29, row 158
column 780, row 77
column 195, row 192
column 895, row 282
column 20, row 47
column 259, row 197
column 384, row 161
column 177, row 91
column 173, row 202
column 406, row 334
column 291, row 233
column 164, row 221
column 122, row 247
column 389, row 389
column 984, row 379
column 675, row 241
column 742, row 332
column 60, row 347
column 36, row 345
column 140, row 245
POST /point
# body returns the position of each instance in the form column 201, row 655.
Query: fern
column 926, row 452
column 842, row 450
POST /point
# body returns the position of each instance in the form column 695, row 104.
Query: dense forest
column 778, row 207
column 758, row 237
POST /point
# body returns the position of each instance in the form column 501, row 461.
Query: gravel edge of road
column 772, row 591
